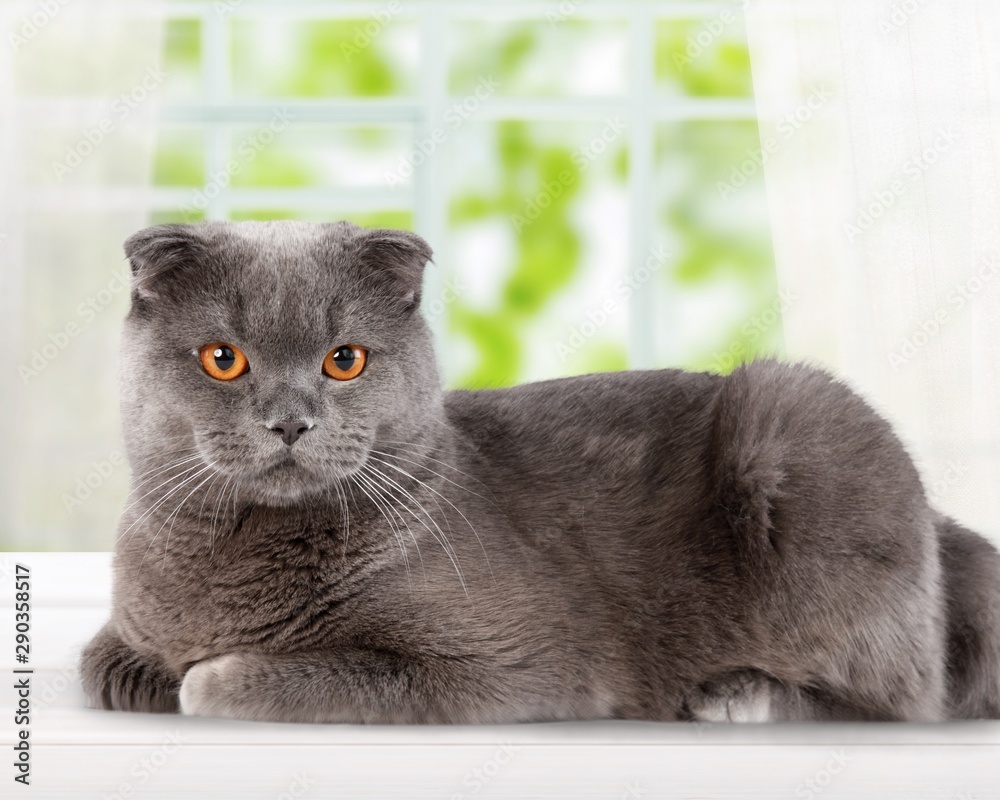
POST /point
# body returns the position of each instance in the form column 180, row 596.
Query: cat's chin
column 268, row 497
column 284, row 495
column 287, row 484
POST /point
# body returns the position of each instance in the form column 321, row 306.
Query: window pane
column 704, row 57
column 180, row 157
column 182, row 57
column 274, row 57
column 719, row 304
column 539, row 58
column 317, row 155
column 538, row 225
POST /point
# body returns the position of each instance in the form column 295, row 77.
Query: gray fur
column 647, row 545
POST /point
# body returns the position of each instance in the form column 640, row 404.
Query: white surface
column 90, row 754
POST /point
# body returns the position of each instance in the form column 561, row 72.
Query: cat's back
column 599, row 460
column 769, row 440
column 613, row 408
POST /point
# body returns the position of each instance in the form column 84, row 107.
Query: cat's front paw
column 207, row 685
column 117, row 678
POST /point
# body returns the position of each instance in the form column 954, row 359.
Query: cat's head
column 277, row 353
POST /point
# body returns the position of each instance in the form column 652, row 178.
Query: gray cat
column 317, row 532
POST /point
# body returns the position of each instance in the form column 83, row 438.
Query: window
column 578, row 224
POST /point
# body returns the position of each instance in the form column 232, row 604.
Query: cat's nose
column 290, row 429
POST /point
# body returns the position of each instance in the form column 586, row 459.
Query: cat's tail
column 971, row 574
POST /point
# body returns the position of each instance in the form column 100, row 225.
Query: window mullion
column 641, row 166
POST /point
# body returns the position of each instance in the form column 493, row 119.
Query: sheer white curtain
column 881, row 122
column 79, row 89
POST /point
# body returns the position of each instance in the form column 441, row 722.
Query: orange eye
column 223, row 361
column 345, row 363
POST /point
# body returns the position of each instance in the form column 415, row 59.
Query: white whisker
column 385, row 508
column 395, row 532
column 435, row 491
column 160, row 472
column 172, row 492
column 389, row 500
column 345, row 516
column 423, row 466
column 162, row 500
column 172, row 518
column 215, row 514
column 443, row 541
column 416, row 453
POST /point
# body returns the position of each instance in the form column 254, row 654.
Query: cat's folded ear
column 399, row 256
column 159, row 251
